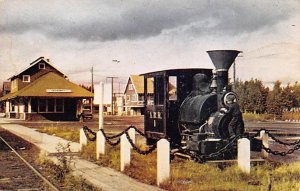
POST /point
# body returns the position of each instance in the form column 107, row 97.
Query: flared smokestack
column 222, row 59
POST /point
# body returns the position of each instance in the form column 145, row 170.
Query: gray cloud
column 113, row 20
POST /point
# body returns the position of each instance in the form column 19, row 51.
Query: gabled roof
column 50, row 85
column 33, row 64
column 138, row 83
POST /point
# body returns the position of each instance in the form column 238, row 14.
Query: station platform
column 106, row 179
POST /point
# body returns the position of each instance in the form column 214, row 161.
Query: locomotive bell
column 222, row 60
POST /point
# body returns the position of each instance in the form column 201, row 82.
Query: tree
column 275, row 102
column 252, row 95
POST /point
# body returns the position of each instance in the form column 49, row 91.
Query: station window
column 50, row 104
column 26, row 78
column 172, row 87
column 42, row 66
column 59, row 105
column 34, row 105
column 42, row 105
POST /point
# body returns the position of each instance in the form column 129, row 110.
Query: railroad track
column 16, row 172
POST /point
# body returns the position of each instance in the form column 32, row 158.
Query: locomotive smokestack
column 222, row 59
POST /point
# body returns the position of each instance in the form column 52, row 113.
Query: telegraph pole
column 92, row 87
column 112, row 93
column 112, row 89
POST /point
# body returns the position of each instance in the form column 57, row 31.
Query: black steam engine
column 190, row 106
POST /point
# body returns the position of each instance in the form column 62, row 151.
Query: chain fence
column 91, row 136
column 296, row 144
column 109, row 139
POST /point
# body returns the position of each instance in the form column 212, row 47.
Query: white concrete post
column 100, row 145
column 7, row 107
column 131, row 133
column 16, row 108
column 101, row 101
column 125, row 152
column 244, row 155
column 264, row 137
column 163, row 161
column 21, row 108
column 29, row 105
column 82, row 139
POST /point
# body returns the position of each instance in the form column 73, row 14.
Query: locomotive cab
column 164, row 92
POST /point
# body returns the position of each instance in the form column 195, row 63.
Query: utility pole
column 92, row 88
column 112, row 93
column 112, row 89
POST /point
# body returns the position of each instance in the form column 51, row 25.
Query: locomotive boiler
column 190, row 106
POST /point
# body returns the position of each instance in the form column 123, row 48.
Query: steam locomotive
column 187, row 105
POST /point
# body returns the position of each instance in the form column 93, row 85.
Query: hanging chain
column 281, row 142
column 226, row 148
column 87, row 133
column 108, row 138
column 138, row 150
column 283, row 153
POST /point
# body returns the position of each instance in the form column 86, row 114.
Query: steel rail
column 30, row 166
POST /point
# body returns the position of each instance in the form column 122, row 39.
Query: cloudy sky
column 150, row 35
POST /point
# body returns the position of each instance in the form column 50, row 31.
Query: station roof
column 50, row 85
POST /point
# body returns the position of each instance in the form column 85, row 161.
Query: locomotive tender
column 187, row 105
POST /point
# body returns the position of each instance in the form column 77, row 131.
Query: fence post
column 244, row 155
column 82, row 139
column 265, row 138
column 100, row 144
column 163, row 161
column 101, row 105
column 131, row 133
column 125, row 152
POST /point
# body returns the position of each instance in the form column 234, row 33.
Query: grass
column 68, row 133
column 257, row 117
column 59, row 172
column 188, row 175
column 291, row 116
column 264, row 117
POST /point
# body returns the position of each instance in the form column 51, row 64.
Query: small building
column 41, row 91
column 134, row 95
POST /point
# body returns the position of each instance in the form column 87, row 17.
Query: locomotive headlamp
column 229, row 98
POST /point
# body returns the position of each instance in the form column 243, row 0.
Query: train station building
column 43, row 92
